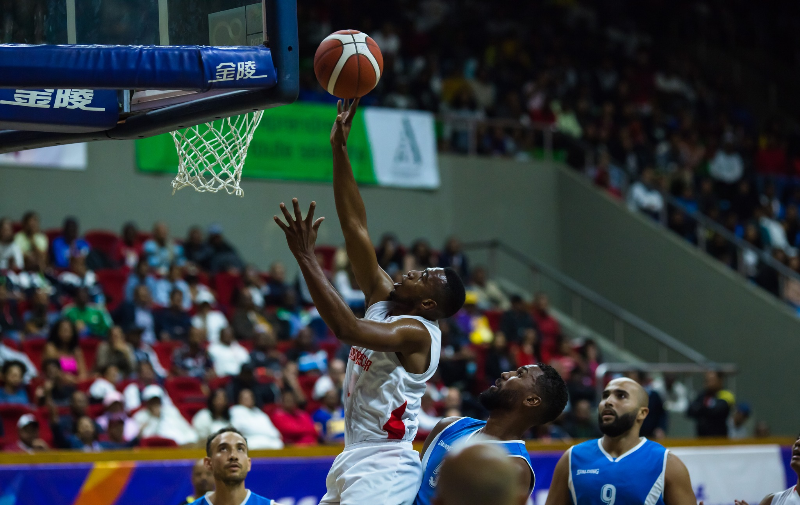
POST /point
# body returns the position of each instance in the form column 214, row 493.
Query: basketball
column 348, row 64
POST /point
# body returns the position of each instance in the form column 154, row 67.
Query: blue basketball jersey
column 595, row 477
column 251, row 499
column 459, row 431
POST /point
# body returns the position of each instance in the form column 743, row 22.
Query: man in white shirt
column 254, row 424
column 208, row 318
column 644, row 197
column 228, row 355
column 727, row 165
column 160, row 419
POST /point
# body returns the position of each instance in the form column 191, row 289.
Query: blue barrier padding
column 58, row 110
column 196, row 68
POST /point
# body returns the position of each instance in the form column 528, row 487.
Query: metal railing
column 472, row 127
column 677, row 368
column 581, row 294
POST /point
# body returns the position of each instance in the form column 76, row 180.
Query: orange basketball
column 348, row 64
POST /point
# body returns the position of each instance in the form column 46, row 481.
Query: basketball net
column 211, row 155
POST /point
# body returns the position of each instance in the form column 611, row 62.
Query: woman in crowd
column 215, row 416
column 62, row 345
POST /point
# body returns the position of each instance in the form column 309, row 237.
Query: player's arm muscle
column 525, row 477
column 440, row 426
column 373, row 281
column 677, row 483
column 559, row 487
column 406, row 336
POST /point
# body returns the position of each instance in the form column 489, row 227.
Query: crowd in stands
column 622, row 95
column 145, row 340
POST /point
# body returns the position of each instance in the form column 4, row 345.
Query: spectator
column 329, row 417
column 265, row 358
column 255, row 285
column 58, row 386
column 10, row 253
column 517, row 322
column 105, row 384
column 197, row 290
column 295, row 425
column 420, row 257
column 85, row 437
column 138, row 313
column 208, row 319
column 499, row 358
column 202, row 481
column 69, row 245
column 726, row 167
column 114, row 404
column 13, row 390
column 472, row 322
column 88, row 318
column 161, row 250
column 305, row 352
column 191, row 359
column 224, row 257
column 276, row 285
column 32, row 242
column 165, row 286
column 645, row 197
column 772, row 231
column 581, row 422
column 128, row 250
column 246, row 320
column 761, row 430
column 737, row 423
column 9, row 354
column 227, row 355
column 39, row 317
column 549, row 329
column 67, row 423
column 526, row 352
column 254, row 424
column 453, row 257
column 214, row 417
column 264, row 392
column 140, row 276
column 490, row 296
column 31, row 278
column 333, row 380
column 62, row 345
column 78, row 276
column 675, row 394
column 344, row 281
column 10, row 323
column 744, row 201
column 590, row 354
column 173, row 322
column 118, row 352
column 146, row 376
column 302, row 288
column 196, row 249
column 29, row 440
column 161, row 419
column 291, row 318
column 142, row 351
column 712, row 407
column 114, row 437
column 390, row 255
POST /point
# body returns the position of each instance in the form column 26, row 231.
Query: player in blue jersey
column 621, row 467
column 529, row 396
column 226, row 456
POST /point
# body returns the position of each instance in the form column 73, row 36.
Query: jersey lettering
column 608, row 494
column 360, row 359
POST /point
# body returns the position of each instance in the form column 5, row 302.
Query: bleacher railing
column 729, row 369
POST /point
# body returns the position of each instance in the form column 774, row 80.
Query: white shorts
column 380, row 473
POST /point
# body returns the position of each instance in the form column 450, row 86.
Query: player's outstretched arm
column 373, row 281
column 559, row 488
column 677, row 483
column 406, row 336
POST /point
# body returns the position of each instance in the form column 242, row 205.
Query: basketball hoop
column 211, row 155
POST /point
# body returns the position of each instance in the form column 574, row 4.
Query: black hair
column 54, row 339
column 28, row 215
column 515, row 298
column 453, row 293
column 553, row 391
column 8, row 365
column 227, row 429
column 226, row 414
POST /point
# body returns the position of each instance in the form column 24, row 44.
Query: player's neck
column 617, row 446
column 228, row 495
column 503, row 426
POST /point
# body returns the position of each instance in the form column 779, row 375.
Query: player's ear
column 207, row 463
column 643, row 411
column 533, row 400
column 428, row 304
column 248, row 463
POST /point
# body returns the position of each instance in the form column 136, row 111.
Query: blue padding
column 196, row 68
column 58, row 110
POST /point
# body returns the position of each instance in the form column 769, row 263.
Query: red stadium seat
column 284, row 346
column 185, row 390
column 95, row 410
column 84, row 385
column 89, row 347
column 157, row 442
column 34, row 349
column 494, row 317
column 9, row 415
column 270, row 408
column 219, row 382
column 330, row 347
column 8, row 342
column 45, row 433
column 328, row 252
column 164, row 352
column 102, row 240
column 225, row 284
column 247, row 344
column 188, row 410
column 113, row 283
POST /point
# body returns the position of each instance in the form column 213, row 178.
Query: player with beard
column 226, row 456
column 529, row 396
column 621, row 467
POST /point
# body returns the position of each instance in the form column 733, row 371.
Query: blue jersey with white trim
column 250, row 499
column 595, row 477
column 459, row 431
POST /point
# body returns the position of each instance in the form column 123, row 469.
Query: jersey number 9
column 608, row 494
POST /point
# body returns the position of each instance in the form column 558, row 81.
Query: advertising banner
column 66, row 157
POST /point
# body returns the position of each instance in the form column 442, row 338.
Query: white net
column 211, row 155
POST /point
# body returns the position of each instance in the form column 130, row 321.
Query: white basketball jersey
column 788, row 497
column 382, row 400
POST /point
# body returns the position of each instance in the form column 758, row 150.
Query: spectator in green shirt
column 89, row 319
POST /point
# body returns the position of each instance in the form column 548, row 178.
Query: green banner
column 292, row 142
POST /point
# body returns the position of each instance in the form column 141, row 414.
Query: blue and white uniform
column 456, row 433
column 250, row 499
column 635, row 477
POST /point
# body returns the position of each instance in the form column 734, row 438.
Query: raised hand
column 301, row 234
column 344, row 121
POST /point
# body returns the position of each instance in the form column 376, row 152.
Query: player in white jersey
column 790, row 496
column 395, row 348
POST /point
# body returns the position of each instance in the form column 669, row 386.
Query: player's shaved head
column 478, row 474
column 634, row 388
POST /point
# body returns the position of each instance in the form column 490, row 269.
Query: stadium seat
column 494, row 317
column 89, row 347
column 164, row 352
column 157, row 442
column 102, row 240
column 270, row 408
column 307, row 382
column 328, row 252
column 113, row 283
column 247, row 344
column 188, row 410
column 219, row 382
column 52, row 234
column 45, row 433
column 9, row 415
column 284, row 345
column 9, row 342
column 185, row 390
column 225, row 284
column 34, row 349
column 94, row 410
column 330, row 347
column 84, row 385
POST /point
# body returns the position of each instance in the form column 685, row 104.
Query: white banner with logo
column 66, row 157
column 403, row 146
column 721, row 475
